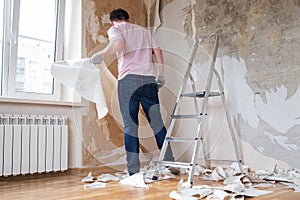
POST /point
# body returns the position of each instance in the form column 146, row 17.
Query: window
column 28, row 39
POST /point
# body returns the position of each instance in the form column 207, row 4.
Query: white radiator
column 33, row 144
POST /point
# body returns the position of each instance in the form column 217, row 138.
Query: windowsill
column 42, row 102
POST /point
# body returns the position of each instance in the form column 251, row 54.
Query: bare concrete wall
column 259, row 59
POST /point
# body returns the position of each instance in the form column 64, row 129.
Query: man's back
column 136, row 55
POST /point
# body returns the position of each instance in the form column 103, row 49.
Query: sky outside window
column 36, row 42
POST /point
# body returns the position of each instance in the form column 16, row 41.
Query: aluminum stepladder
column 199, row 115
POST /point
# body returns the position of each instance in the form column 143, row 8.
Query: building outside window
column 28, row 36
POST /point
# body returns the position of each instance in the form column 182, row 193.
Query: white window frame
column 10, row 46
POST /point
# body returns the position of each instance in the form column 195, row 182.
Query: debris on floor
column 236, row 185
column 88, row 179
column 141, row 179
column 136, row 180
column 232, row 183
column 95, row 185
column 107, row 177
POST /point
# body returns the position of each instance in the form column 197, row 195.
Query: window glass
column 36, row 46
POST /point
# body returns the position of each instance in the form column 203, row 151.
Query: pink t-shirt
column 136, row 55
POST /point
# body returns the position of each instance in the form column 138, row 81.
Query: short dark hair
column 118, row 14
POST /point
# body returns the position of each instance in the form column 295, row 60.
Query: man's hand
column 96, row 59
column 160, row 80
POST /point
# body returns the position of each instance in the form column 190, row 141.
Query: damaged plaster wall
column 259, row 59
column 102, row 139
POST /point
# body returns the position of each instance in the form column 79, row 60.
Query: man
column 138, row 82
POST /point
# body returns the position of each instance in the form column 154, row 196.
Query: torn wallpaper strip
column 136, row 180
column 88, row 179
column 85, row 78
column 95, row 185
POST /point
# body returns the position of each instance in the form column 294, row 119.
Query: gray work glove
column 160, row 80
column 96, row 59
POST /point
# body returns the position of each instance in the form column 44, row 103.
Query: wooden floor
column 70, row 187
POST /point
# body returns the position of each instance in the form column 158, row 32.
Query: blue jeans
column 134, row 90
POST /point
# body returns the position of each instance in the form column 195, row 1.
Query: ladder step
column 176, row 164
column 200, row 94
column 199, row 116
column 222, row 160
column 174, row 139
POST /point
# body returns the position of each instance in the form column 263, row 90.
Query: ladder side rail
column 185, row 79
column 188, row 70
column 210, row 76
column 195, row 153
column 229, row 122
column 175, row 110
column 197, row 109
column 182, row 88
column 209, row 82
column 203, row 111
column 200, row 120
